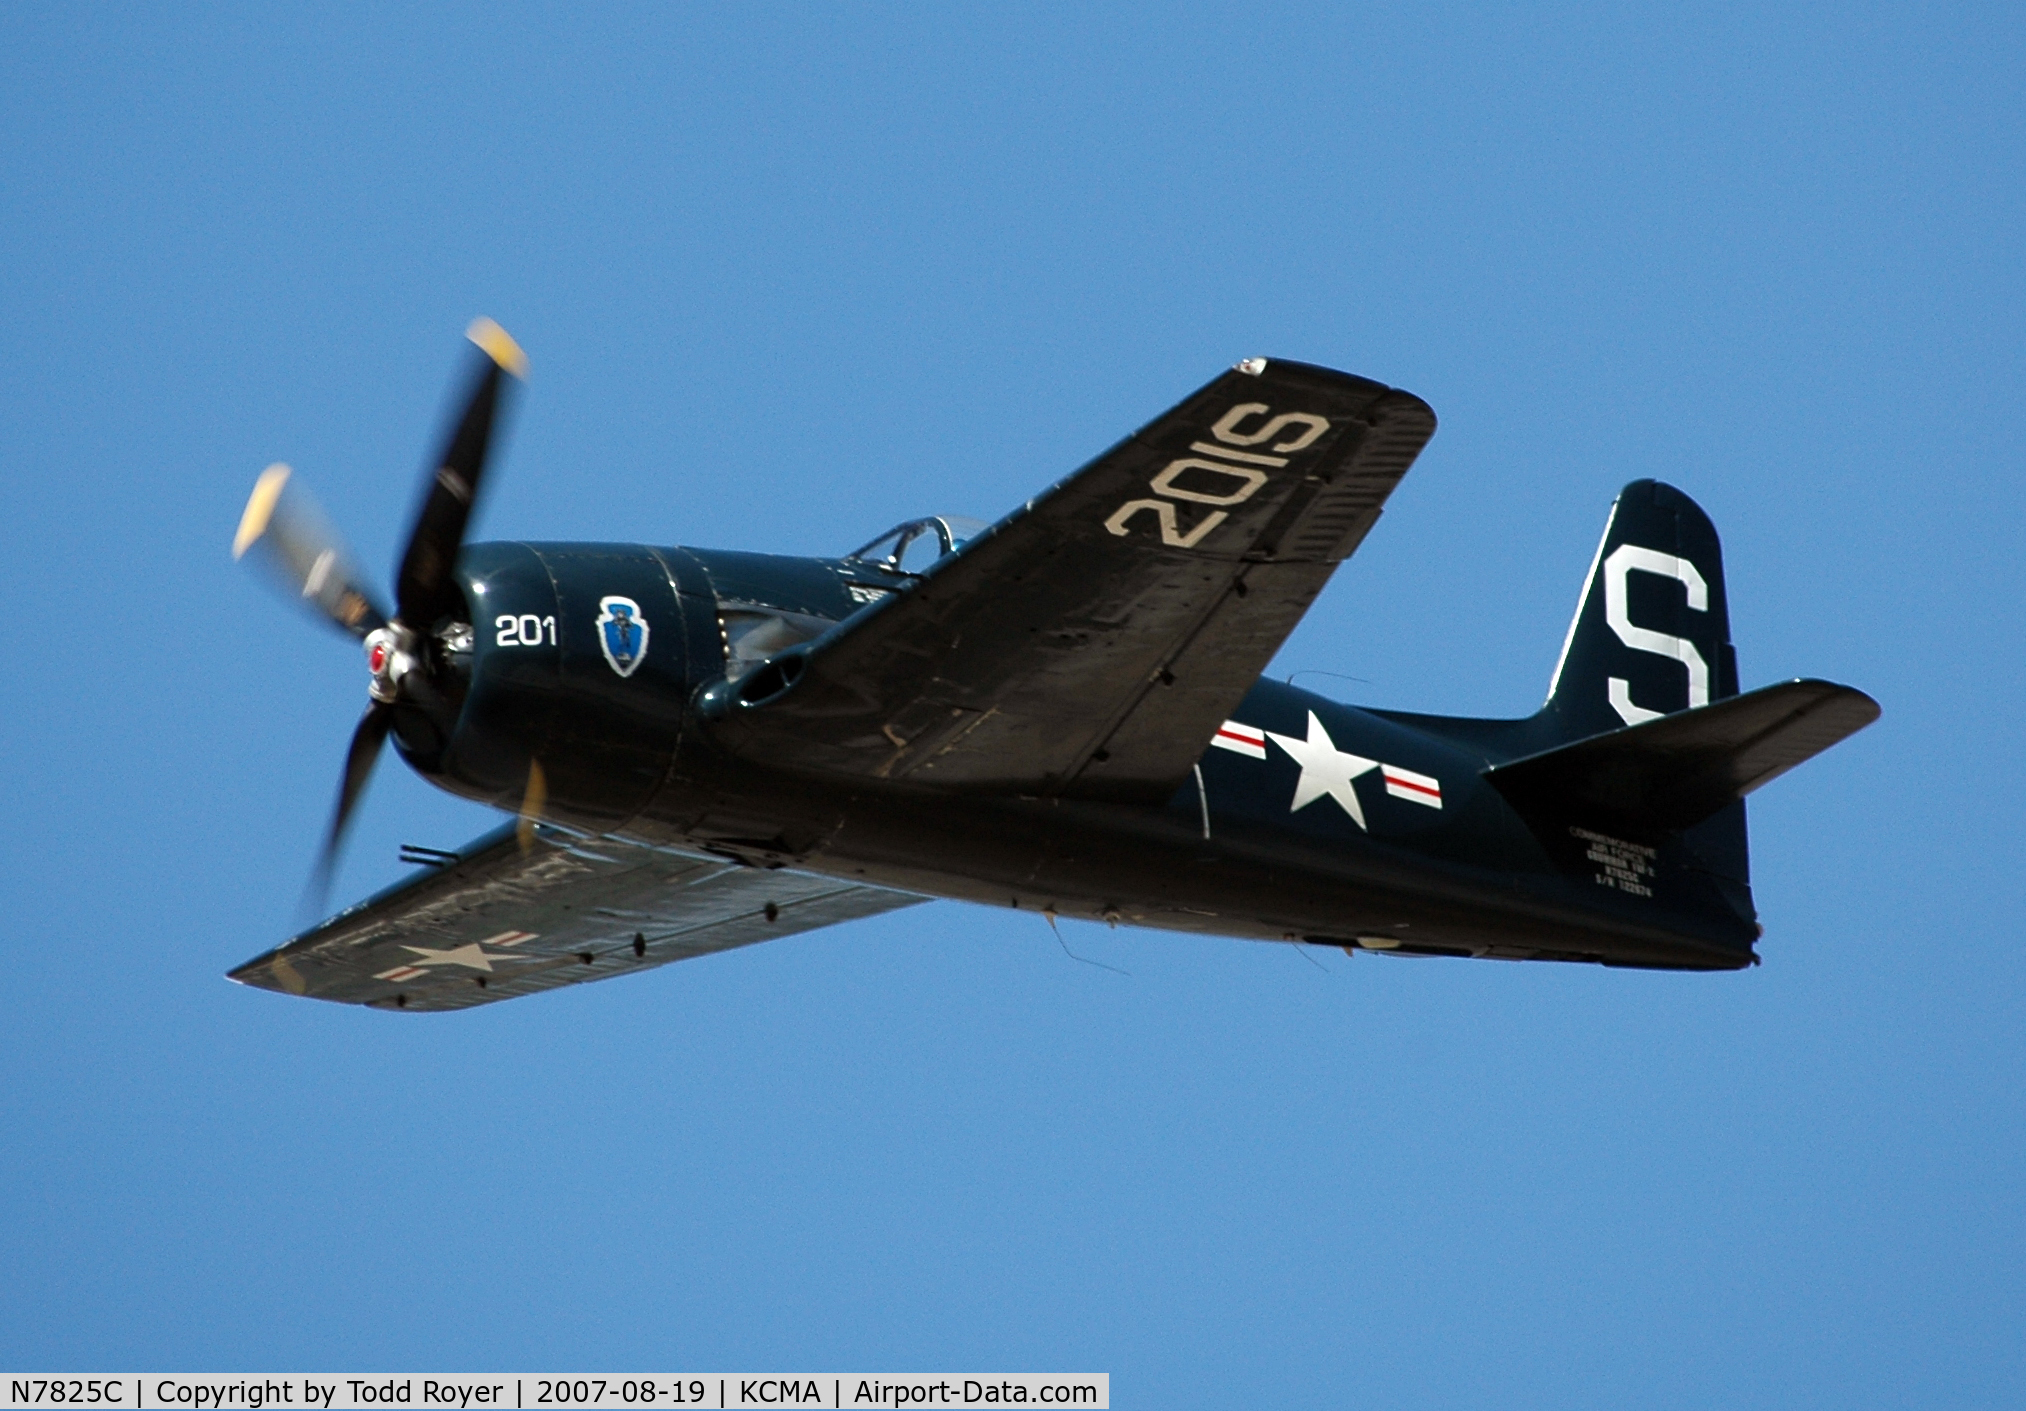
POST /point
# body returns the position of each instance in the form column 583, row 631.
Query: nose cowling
column 578, row 665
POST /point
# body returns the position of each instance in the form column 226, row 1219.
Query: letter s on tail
column 1651, row 634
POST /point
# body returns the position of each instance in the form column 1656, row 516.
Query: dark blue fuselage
column 1306, row 819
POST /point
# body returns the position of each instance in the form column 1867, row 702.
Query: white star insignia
column 1325, row 769
column 471, row 955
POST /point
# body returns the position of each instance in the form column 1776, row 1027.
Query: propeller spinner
column 292, row 539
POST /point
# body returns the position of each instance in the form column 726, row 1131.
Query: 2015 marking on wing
column 1225, row 470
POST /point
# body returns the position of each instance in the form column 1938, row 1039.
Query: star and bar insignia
column 1327, row 771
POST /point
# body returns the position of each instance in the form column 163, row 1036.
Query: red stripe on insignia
column 1240, row 739
column 1416, row 788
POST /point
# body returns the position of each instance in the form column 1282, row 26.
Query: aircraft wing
column 1091, row 642
column 503, row 920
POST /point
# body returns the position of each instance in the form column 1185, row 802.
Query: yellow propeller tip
column 499, row 346
column 259, row 508
column 532, row 804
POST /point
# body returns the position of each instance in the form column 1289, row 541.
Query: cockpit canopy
column 759, row 624
column 913, row 546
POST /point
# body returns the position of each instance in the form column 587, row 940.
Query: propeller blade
column 417, row 691
column 425, row 591
column 292, row 541
column 532, row 804
column 359, row 762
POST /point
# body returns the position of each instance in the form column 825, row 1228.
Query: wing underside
column 508, row 919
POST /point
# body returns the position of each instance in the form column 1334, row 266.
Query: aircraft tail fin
column 1643, row 729
column 1651, row 634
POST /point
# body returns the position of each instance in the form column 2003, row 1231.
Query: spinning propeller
column 292, row 539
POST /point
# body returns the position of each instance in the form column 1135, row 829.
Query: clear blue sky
column 788, row 275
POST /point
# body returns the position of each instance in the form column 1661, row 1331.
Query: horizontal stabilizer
column 1674, row 771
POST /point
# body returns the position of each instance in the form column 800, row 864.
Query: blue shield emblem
column 622, row 632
